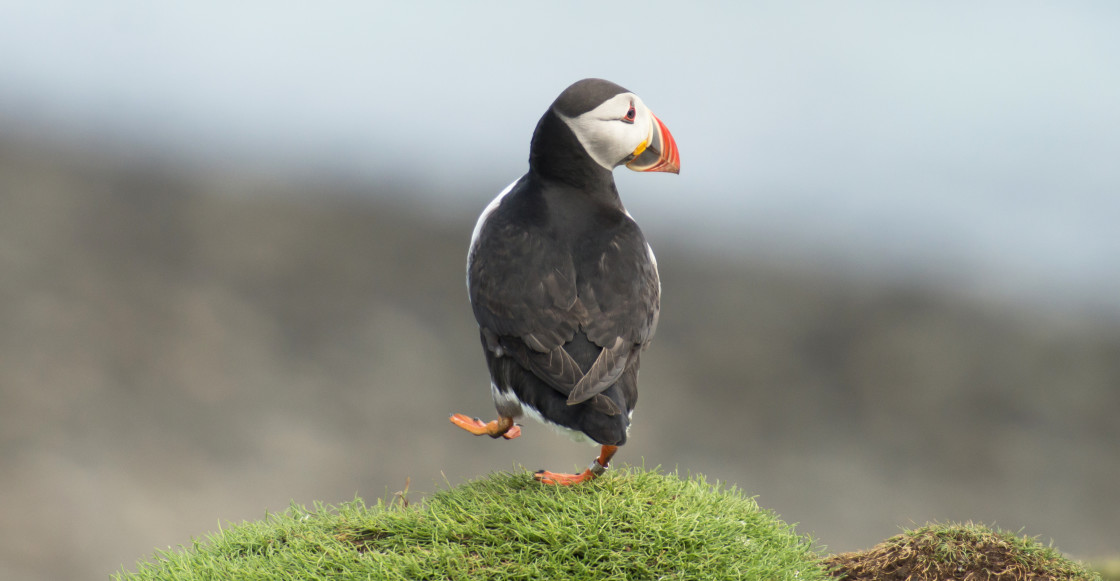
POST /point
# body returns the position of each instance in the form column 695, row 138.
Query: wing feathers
column 557, row 368
column 572, row 305
column 562, row 372
column 606, row 370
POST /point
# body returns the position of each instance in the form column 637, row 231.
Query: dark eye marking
column 630, row 114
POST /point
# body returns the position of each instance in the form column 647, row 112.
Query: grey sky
column 981, row 137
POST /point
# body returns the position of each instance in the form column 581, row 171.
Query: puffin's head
column 615, row 127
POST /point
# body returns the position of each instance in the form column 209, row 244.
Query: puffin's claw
column 499, row 428
column 546, row 477
column 597, row 468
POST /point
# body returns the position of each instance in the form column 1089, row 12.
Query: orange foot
column 597, row 468
column 546, row 477
column 499, row 428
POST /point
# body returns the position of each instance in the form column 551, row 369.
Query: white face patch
column 606, row 137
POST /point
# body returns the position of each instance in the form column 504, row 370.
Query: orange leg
column 502, row 427
column 597, row 468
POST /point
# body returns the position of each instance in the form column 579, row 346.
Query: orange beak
column 658, row 153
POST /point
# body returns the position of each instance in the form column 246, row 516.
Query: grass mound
column 964, row 552
column 630, row 524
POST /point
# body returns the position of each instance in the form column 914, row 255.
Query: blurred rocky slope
column 183, row 347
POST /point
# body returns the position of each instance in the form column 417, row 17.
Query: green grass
column 630, row 524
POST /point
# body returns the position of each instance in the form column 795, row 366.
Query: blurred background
column 232, row 245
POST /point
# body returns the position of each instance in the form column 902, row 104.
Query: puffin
column 561, row 279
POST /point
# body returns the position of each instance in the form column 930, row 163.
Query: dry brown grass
column 965, row 552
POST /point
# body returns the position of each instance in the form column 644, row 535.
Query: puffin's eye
column 629, row 118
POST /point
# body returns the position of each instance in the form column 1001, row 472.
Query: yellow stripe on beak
column 641, row 147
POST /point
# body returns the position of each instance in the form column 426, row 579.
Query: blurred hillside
column 180, row 348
